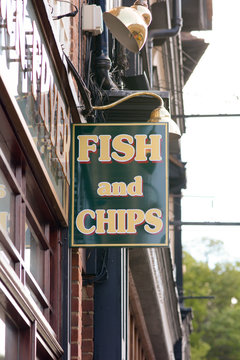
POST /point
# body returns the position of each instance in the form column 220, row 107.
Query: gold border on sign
column 166, row 244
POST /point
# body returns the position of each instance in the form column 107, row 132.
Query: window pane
column 6, row 257
column 6, row 206
column 31, row 293
column 43, row 351
column 34, row 255
column 9, row 335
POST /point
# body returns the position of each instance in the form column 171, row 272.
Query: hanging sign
column 119, row 185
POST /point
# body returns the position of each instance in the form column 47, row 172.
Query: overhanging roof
column 193, row 49
column 152, row 274
column 197, row 15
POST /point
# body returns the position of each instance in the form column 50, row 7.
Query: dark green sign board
column 119, row 185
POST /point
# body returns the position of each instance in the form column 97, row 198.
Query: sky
column 211, row 146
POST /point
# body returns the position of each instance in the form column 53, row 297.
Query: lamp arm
column 140, row 93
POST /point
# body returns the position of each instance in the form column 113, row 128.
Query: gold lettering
column 109, row 220
column 121, row 221
column 154, row 147
column 53, row 119
column 3, row 192
column 85, row 147
column 124, row 148
column 80, row 221
column 4, row 219
column 135, row 217
column 46, row 81
column 104, row 189
column 59, row 131
column 119, row 189
column 105, row 141
column 51, row 106
column 135, row 188
column 154, row 218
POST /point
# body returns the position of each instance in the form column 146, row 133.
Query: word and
column 134, row 188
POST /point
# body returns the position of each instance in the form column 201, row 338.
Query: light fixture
column 129, row 25
column 160, row 114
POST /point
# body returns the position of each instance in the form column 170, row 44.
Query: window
column 34, row 255
column 9, row 334
column 30, row 253
column 28, row 248
column 6, row 206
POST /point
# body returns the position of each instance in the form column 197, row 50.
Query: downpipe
column 177, row 23
column 102, row 61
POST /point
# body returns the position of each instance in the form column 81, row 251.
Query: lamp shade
column 129, row 25
column 160, row 114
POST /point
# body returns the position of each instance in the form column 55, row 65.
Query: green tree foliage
column 216, row 323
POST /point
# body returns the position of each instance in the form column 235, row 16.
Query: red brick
column 76, row 258
column 87, row 356
column 87, row 346
column 84, row 292
column 88, row 305
column 76, row 319
column 76, row 335
column 90, row 291
column 87, row 332
column 87, row 319
column 76, row 289
column 76, row 274
column 76, row 350
column 76, row 305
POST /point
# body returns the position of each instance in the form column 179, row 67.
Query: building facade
column 58, row 302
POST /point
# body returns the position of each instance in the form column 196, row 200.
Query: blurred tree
column 216, row 323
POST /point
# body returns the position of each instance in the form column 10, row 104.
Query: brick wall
column 76, row 305
column 82, row 301
column 74, row 35
column 78, row 45
column 82, row 312
column 87, row 322
column 78, row 40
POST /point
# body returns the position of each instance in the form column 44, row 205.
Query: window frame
column 16, row 279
